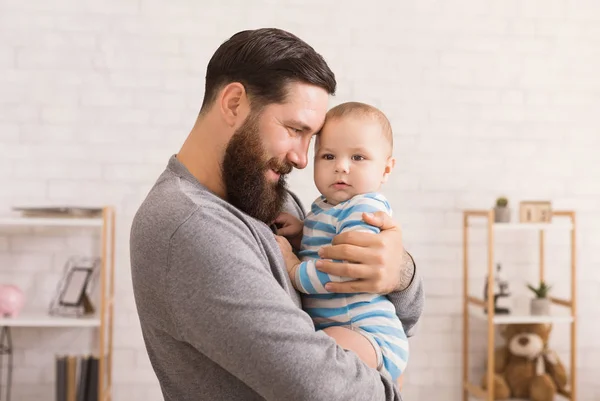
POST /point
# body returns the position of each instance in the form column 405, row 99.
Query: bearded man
column 219, row 316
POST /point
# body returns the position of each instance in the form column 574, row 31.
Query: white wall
column 486, row 98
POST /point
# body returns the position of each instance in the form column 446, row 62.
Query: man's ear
column 389, row 166
column 233, row 103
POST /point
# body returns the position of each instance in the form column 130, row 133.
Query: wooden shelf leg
column 111, row 313
column 465, row 306
column 573, row 310
column 490, row 307
column 542, row 252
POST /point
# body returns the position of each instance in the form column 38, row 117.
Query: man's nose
column 298, row 158
column 298, row 155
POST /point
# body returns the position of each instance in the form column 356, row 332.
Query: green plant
column 541, row 291
column 501, row 202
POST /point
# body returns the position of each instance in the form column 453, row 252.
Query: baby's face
column 352, row 157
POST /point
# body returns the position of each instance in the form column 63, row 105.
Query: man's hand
column 377, row 262
column 291, row 228
column 291, row 260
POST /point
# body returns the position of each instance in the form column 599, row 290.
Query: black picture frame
column 75, row 287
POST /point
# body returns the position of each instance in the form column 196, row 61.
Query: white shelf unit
column 103, row 320
column 51, row 222
column 555, row 225
column 42, row 320
column 523, row 318
column 559, row 397
column 473, row 306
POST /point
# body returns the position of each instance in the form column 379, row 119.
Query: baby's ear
column 389, row 166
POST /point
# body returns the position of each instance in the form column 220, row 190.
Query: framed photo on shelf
column 72, row 297
column 75, row 286
column 535, row 212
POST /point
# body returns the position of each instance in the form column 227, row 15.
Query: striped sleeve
column 309, row 280
column 350, row 218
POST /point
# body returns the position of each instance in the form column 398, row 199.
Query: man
column 219, row 316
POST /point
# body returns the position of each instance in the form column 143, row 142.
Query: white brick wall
column 485, row 97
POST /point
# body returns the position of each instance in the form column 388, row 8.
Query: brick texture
column 486, row 98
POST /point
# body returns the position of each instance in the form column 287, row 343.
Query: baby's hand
column 291, row 261
column 291, row 228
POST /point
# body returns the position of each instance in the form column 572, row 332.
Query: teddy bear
column 525, row 367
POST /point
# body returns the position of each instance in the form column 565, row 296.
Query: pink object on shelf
column 12, row 300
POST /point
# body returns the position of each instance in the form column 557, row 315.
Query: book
column 77, row 378
column 61, row 378
column 84, row 363
column 71, row 377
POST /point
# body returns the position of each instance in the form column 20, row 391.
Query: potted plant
column 501, row 211
column 540, row 305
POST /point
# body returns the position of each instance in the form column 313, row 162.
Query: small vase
column 540, row 306
column 501, row 214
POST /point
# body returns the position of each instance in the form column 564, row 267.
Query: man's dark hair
column 264, row 61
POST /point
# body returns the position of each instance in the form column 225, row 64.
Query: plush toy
column 12, row 300
column 526, row 367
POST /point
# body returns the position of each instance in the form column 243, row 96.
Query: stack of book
column 76, row 378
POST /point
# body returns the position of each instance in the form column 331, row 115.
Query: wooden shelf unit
column 485, row 218
column 103, row 320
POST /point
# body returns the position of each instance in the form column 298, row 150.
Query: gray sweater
column 219, row 316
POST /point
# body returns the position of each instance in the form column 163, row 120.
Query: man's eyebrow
column 299, row 124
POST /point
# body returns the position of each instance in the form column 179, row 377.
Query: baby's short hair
column 358, row 109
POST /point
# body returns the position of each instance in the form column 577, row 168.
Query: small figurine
column 500, row 290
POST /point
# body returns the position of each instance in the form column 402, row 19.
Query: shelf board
column 44, row 320
column 476, row 392
column 557, row 398
column 516, row 318
column 557, row 225
column 50, row 221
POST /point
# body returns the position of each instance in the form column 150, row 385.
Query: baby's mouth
column 340, row 184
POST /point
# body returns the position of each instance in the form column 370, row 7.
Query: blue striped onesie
column 372, row 315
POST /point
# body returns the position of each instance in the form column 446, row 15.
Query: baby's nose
column 341, row 166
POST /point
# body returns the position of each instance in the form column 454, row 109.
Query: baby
column 353, row 158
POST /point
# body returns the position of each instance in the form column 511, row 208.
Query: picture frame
column 535, row 212
column 76, row 283
column 73, row 296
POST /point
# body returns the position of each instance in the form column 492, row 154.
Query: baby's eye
column 358, row 158
column 328, row 156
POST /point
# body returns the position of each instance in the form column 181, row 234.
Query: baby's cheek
column 370, row 180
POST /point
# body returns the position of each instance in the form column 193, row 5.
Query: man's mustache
column 280, row 168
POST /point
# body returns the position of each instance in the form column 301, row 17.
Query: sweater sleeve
column 409, row 302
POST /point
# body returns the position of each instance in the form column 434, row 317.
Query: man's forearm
column 407, row 272
column 409, row 300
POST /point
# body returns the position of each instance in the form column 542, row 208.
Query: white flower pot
column 540, row 306
column 501, row 214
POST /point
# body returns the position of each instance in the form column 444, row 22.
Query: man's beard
column 244, row 173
